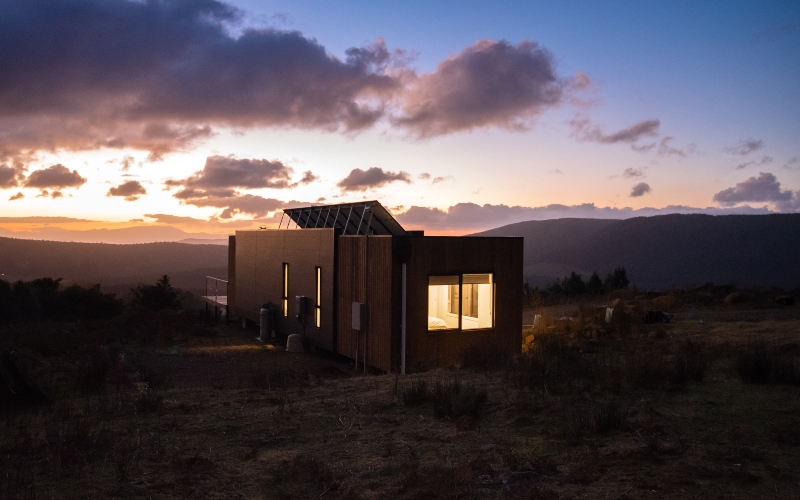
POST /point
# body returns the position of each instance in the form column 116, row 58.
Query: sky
column 130, row 117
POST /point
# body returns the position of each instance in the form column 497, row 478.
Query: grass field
column 707, row 406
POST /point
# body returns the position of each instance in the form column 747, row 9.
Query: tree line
column 44, row 299
column 574, row 285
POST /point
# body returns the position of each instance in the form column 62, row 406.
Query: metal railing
column 214, row 286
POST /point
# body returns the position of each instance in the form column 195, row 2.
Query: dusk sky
column 457, row 116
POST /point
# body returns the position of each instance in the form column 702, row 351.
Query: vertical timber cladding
column 259, row 278
column 444, row 255
column 231, row 293
column 365, row 275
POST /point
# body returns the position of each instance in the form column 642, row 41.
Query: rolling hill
column 115, row 267
column 667, row 250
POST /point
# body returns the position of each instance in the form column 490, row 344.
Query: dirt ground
column 229, row 417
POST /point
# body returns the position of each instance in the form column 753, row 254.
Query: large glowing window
column 463, row 302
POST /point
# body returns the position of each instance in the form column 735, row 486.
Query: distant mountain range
column 665, row 251
column 125, row 235
column 658, row 252
column 115, row 267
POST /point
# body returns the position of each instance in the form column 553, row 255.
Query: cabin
column 351, row 280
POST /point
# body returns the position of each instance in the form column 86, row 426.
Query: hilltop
column 110, row 265
column 666, row 250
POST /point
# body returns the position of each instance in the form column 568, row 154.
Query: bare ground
column 227, row 417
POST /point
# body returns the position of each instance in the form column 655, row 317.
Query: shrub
column 157, row 297
column 759, row 364
column 484, row 357
column 452, row 399
column 415, row 393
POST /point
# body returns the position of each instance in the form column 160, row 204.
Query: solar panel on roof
column 367, row 217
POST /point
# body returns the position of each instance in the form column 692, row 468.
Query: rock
column 738, row 298
column 666, row 302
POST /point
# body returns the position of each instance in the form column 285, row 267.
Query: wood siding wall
column 365, row 275
column 441, row 255
column 259, row 278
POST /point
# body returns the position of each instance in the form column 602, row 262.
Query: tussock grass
column 759, row 363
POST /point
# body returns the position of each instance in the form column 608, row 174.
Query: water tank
column 294, row 343
column 265, row 323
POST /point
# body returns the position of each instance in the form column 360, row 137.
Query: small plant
column 415, row 393
column 452, row 399
column 483, row 357
column 759, row 364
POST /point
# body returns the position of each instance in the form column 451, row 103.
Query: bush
column 759, row 364
column 157, row 297
column 452, row 399
column 415, row 393
column 485, row 357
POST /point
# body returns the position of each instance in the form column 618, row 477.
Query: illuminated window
column 441, row 305
column 463, row 302
column 318, row 300
column 285, row 297
column 477, row 301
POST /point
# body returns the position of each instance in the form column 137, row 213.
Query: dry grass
column 657, row 413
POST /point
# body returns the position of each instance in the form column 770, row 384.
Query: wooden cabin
column 351, row 280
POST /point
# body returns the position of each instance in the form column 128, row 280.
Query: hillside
column 113, row 266
column 665, row 250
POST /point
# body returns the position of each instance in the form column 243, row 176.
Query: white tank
column 294, row 343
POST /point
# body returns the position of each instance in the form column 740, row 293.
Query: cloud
column 131, row 190
column 792, row 164
column 470, row 216
column 231, row 202
column 17, row 196
column 38, row 219
column 126, row 161
column 640, row 190
column 764, row 188
column 218, row 185
column 664, row 149
column 198, row 224
column 10, row 177
column 764, row 160
column 746, row 147
column 434, row 180
column 372, row 178
column 632, row 172
column 157, row 75
column 231, row 172
column 54, row 176
column 50, row 194
column 488, row 84
column 584, row 130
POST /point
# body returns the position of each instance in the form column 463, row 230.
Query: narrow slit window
column 318, row 299
column 285, row 297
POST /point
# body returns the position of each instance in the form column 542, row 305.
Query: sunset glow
column 212, row 116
